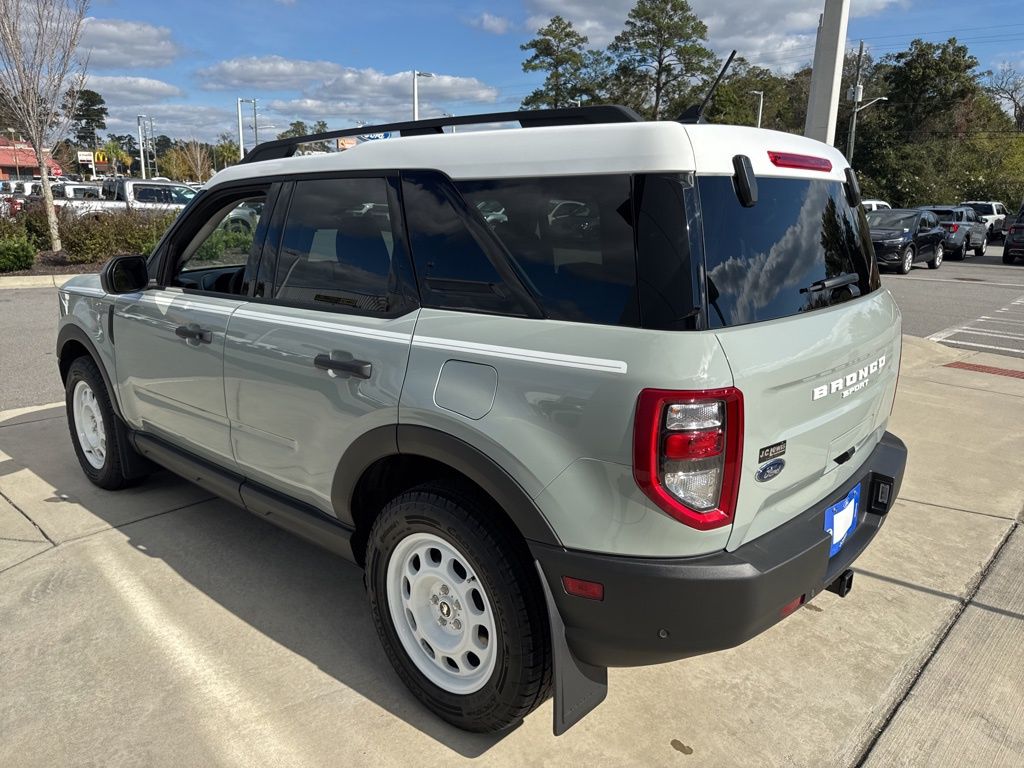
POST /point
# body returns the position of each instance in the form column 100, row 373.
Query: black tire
column 521, row 678
column 982, row 249
column 936, row 261
column 110, row 475
column 907, row 264
column 960, row 254
column 1008, row 258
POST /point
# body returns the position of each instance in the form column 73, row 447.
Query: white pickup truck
column 133, row 194
column 994, row 214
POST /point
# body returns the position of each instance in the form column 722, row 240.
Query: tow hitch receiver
column 842, row 584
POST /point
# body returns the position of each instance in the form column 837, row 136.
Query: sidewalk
column 156, row 626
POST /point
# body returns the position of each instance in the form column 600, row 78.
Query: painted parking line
column 1001, row 332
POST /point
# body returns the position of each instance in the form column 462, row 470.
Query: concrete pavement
column 158, row 627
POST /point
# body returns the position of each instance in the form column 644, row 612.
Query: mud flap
column 579, row 687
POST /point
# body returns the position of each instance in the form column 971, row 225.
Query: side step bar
column 295, row 517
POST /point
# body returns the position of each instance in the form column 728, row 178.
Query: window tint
column 337, row 246
column 762, row 262
column 666, row 223
column 452, row 265
column 571, row 238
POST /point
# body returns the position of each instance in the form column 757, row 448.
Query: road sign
column 86, row 157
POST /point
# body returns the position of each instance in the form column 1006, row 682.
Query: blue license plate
column 841, row 519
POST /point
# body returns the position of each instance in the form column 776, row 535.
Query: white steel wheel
column 441, row 613
column 92, row 434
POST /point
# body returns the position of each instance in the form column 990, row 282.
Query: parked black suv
column 903, row 236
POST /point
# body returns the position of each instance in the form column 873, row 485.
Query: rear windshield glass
column 947, row 214
column 768, row 261
column 892, row 219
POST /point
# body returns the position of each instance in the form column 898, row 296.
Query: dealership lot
column 158, row 626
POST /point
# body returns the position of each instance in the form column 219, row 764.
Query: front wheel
column 458, row 608
column 936, row 261
column 96, row 434
column 907, row 262
column 1007, row 258
column 982, row 249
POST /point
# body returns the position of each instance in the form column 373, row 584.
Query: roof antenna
column 695, row 113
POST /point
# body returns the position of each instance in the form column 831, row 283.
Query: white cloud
column 179, row 121
column 775, row 33
column 118, row 91
column 367, row 94
column 488, row 22
column 120, row 44
column 270, row 73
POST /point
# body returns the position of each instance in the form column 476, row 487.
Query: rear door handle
column 193, row 334
column 360, row 369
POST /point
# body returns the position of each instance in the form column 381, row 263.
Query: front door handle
column 193, row 334
column 360, row 369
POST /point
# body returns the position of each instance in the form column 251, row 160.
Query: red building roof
column 13, row 155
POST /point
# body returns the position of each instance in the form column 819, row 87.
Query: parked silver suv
column 648, row 429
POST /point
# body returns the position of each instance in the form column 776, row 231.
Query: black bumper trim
column 657, row 610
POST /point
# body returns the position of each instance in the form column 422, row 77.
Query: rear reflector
column 592, row 590
column 804, row 162
column 791, row 606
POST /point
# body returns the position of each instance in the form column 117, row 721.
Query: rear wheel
column 936, row 260
column 907, row 262
column 96, row 433
column 982, row 249
column 458, row 608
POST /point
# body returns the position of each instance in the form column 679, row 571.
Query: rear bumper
column 658, row 610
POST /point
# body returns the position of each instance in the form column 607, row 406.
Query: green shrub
column 92, row 238
column 16, row 253
column 33, row 219
column 11, row 229
column 225, row 246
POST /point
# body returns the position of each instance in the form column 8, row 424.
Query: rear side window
column 337, row 247
column 570, row 238
column 763, row 262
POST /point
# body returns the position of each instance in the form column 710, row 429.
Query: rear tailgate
column 782, row 366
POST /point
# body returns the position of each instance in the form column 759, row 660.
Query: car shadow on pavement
column 305, row 599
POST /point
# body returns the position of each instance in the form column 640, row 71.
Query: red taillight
column 1016, row 229
column 792, row 605
column 687, row 449
column 592, row 590
column 803, row 162
column 699, row 444
column 954, row 228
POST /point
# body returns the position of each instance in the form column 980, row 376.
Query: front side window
column 163, row 194
column 215, row 257
column 337, row 247
column 571, row 239
column 769, row 261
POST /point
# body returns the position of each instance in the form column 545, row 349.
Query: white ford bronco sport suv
column 647, row 429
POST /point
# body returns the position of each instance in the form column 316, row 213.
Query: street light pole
column 241, row 137
column 152, row 143
column 14, row 148
column 142, row 146
column 416, row 75
column 856, row 96
column 760, row 105
column 255, row 125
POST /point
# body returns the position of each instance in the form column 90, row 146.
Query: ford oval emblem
column 767, row 471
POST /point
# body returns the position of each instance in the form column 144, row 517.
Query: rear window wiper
column 831, row 282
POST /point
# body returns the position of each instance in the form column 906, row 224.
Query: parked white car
column 994, row 214
column 876, row 205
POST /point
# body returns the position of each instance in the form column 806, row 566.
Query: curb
column 34, row 281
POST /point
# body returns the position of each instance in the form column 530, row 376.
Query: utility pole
column 152, row 143
column 142, row 146
column 255, row 125
column 241, row 136
column 827, row 72
column 858, row 94
column 416, row 75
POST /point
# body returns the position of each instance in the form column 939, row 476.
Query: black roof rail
column 281, row 148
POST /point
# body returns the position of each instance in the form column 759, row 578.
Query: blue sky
column 184, row 62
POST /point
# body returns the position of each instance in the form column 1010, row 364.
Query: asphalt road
column 953, row 300
column 965, row 304
column 28, row 337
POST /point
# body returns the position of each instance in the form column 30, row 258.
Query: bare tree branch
column 38, row 67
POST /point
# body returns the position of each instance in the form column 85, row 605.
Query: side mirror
column 125, row 274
